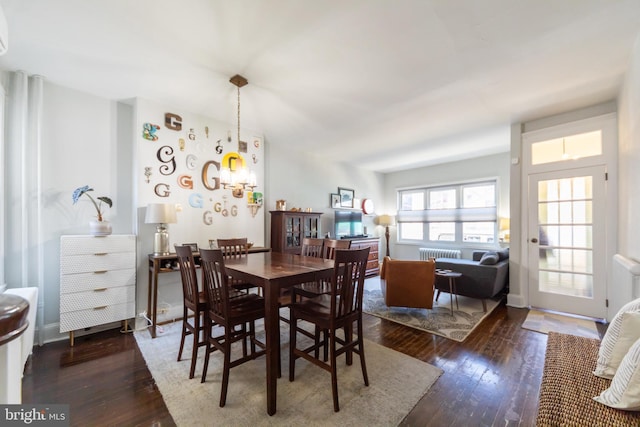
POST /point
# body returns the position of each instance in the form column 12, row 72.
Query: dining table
column 273, row 271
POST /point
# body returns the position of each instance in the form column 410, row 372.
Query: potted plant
column 99, row 227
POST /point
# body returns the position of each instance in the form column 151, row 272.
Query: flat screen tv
column 348, row 224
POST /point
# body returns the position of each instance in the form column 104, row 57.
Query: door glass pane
column 565, row 236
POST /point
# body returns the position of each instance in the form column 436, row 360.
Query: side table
column 452, row 275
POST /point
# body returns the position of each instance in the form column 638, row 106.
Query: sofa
column 407, row 283
column 484, row 276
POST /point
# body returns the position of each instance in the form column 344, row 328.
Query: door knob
column 534, row 240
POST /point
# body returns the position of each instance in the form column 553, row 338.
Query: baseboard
column 517, row 301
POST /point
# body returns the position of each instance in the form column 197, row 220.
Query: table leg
column 272, row 331
column 152, row 301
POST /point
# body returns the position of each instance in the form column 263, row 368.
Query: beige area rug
column 545, row 322
column 396, row 383
column 439, row 320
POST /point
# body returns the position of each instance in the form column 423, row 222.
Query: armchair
column 407, row 283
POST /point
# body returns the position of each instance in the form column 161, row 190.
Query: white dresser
column 97, row 280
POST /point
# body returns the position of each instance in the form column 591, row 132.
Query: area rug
column 396, row 383
column 545, row 322
column 438, row 320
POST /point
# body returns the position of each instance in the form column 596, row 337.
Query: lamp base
column 161, row 241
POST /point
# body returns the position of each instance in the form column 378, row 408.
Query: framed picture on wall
column 335, row 200
column 346, row 197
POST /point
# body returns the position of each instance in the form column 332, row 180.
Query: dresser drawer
column 96, row 262
column 95, row 280
column 80, row 319
column 96, row 298
column 77, row 245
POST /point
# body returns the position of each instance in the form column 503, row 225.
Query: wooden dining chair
column 194, row 305
column 338, row 310
column 236, row 248
column 228, row 313
column 313, row 289
column 312, row 247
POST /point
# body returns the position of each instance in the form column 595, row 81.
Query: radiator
column 625, row 283
column 426, row 253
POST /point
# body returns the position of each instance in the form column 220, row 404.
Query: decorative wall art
column 346, row 197
column 185, row 169
column 335, row 201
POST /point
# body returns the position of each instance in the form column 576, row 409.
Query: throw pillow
column 607, row 346
column 489, row 258
column 624, row 391
column 503, row 254
column 628, row 334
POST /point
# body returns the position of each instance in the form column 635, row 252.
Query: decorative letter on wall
column 169, row 166
column 208, row 177
column 172, row 121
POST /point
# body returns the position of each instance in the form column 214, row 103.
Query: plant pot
column 99, row 228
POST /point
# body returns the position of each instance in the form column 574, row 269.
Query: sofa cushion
column 503, row 254
column 489, row 258
column 624, row 392
column 609, row 353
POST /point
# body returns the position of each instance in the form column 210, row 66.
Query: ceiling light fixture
column 234, row 173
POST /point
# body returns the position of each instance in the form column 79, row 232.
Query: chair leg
column 207, row 336
column 293, row 324
column 438, row 295
column 484, row 305
column 196, row 340
column 334, row 371
column 363, row 364
column 184, row 332
column 225, row 371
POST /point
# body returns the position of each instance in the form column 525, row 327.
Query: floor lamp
column 386, row 221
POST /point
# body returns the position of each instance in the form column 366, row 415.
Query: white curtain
column 22, row 200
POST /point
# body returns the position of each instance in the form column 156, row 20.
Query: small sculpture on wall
column 149, row 131
column 191, row 161
column 181, row 144
column 206, row 131
column 242, row 146
column 219, row 147
column 192, row 134
column 147, row 173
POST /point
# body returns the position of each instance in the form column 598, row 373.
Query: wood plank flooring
column 491, row 379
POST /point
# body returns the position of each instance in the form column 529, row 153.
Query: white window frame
column 457, row 215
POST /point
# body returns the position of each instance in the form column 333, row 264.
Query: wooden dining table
column 273, row 271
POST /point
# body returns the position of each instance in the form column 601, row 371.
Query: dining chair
column 338, row 310
column 320, row 287
column 236, row 248
column 228, row 313
column 194, row 305
column 312, row 247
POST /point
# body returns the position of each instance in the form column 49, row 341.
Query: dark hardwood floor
column 491, row 379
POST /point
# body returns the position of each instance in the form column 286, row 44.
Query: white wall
column 629, row 159
column 494, row 166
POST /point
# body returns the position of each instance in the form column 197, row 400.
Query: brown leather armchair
column 407, row 283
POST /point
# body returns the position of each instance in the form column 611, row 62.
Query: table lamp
column 386, row 221
column 504, row 226
column 161, row 214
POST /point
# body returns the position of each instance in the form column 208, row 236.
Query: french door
column 566, row 241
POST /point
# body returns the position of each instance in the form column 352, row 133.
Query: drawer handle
column 100, row 290
column 100, row 253
column 100, row 272
column 100, row 308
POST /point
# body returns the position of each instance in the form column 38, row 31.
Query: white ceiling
column 391, row 84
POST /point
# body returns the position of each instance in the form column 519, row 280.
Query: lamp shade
column 504, row 224
column 161, row 213
column 386, row 220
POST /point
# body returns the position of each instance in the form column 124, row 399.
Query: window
column 463, row 213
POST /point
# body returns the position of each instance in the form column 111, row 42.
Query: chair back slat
column 234, row 248
column 188, row 274
column 331, row 245
column 312, row 247
column 215, row 283
column 347, row 287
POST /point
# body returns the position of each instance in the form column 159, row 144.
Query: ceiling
column 389, row 84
